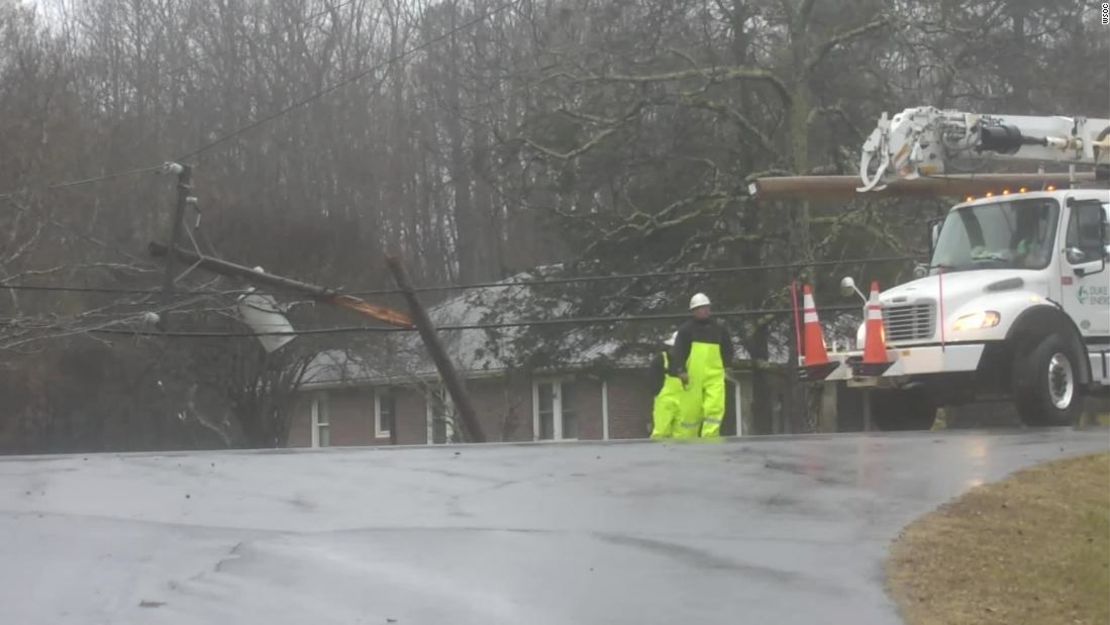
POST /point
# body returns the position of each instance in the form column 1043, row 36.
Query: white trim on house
column 604, row 410
column 557, row 415
column 535, row 411
column 379, row 431
column 429, row 403
column 739, row 412
column 429, row 417
column 321, row 421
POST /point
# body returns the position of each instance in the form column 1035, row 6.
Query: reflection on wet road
column 774, row 530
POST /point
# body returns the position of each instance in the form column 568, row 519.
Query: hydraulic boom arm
column 925, row 141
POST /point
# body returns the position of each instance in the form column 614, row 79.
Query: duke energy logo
column 1093, row 296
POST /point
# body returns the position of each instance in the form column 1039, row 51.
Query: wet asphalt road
column 770, row 530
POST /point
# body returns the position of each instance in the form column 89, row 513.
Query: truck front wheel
column 1046, row 384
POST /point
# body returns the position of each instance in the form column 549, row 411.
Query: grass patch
column 1032, row 549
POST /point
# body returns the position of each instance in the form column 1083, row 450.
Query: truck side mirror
column 848, row 286
column 1075, row 255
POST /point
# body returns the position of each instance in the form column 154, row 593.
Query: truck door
column 1085, row 276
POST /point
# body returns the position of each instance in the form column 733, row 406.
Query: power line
column 112, row 290
column 505, row 284
column 656, row 274
column 348, row 80
column 581, row 321
column 86, row 181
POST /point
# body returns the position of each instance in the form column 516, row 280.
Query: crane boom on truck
column 926, row 141
column 1015, row 301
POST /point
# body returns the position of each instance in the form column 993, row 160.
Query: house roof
column 478, row 352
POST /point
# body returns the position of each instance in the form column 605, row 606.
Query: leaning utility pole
column 472, row 430
column 184, row 186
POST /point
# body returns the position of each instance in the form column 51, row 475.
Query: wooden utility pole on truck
column 843, row 188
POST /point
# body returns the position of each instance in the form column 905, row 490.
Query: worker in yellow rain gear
column 668, row 394
column 702, row 351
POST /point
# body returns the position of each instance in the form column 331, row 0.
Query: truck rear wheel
column 902, row 410
column 1046, row 384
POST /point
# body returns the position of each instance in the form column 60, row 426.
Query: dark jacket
column 658, row 374
column 707, row 331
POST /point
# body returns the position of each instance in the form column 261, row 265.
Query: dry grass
column 1033, row 549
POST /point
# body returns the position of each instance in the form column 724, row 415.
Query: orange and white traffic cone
column 875, row 361
column 816, row 359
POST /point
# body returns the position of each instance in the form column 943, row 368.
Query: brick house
column 583, row 390
column 567, row 404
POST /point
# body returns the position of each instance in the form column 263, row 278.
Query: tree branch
column 716, row 73
column 743, row 122
column 649, row 224
column 837, row 40
column 579, row 151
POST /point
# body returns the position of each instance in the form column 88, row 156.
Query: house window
column 321, row 428
column 554, row 417
column 385, row 407
column 441, row 417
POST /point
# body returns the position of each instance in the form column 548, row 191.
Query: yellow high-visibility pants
column 703, row 405
column 668, row 405
column 665, row 413
column 713, row 406
column 690, row 413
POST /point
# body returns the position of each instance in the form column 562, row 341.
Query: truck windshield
column 1016, row 234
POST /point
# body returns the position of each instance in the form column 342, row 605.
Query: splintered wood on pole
column 472, row 430
column 318, row 293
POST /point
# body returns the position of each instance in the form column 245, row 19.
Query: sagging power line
column 650, row 274
column 86, row 181
column 583, row 321
column 104, row 290
column 505, row 284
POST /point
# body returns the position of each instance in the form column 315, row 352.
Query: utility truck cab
column 1015, row 303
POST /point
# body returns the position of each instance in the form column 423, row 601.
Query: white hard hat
column 670, row 340
column 699, row 300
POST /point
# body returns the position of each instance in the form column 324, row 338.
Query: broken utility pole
column 472, row 430
column 318, row 293
column 184, row 186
